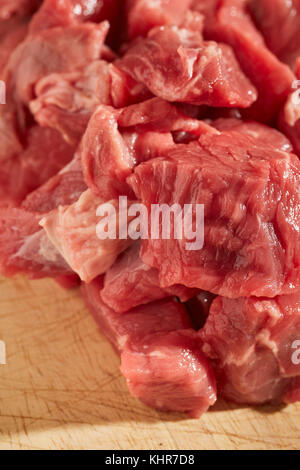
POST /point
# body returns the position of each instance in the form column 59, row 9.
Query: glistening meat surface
column 251, row 231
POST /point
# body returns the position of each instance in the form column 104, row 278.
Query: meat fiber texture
column 164, row 102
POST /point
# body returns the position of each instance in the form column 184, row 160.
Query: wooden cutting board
column 61, row 388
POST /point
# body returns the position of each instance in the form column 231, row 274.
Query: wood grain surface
column 61, row 388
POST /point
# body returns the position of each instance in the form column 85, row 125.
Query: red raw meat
column 72, row 230
column 279, row 21
column 66, row 101
column 25, row 247
column 173, row 116
column 169, row 372
column 12, row 33
column 53, row 13
column 9, row 8
column 297, row 68
column 176, row 65
column 129, row 282
column 251, row 230
column 262, row 133
column 289, row 118
column 163, row 367
column 117, row 140
column 146, row 145
column 24, row 170
column 229, row 21
column 293, row 132
column 106, row 159
column 67, row 12
column 160, row 116
column 69, row 281
column 250, row 343
column 143, row 15
column 64, row 188
column 125, row 90
column 57, row 50
column 10, row 130
column 292, row 394
column 120, row 328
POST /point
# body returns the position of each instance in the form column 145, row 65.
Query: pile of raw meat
column 165, row 102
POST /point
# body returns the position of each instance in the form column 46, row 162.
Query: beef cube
column 251, row 198
column 73, row 231
column 25, row 247
column 129, row 282
column 229, row 21
column 169, row 372
column 251, row 344
column 64, row 188
column 116, row 141
column 289, row 118
column 9, row 8
column 161, row 356
column 176, row 65
column 66, row 101
column 143, row 15
column 259, row 131
column 272, row 16
column 56, row 50
column 156, row 317
column 24, row 166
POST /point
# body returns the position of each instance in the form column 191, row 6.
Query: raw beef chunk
column 66, row 101
column 251, row 195
column 292, row 394
column 10, row 126
column 113, row 107
column 161, row 357
column 144, row 15
column 9, row 8
column 129, row 282
column 161, row 316
column 71, row 12
column 262, row 133
column 25, row 247
column 116, row 141
column 230, row 22
column 125, row 90
column 12, row 33
column 279, row 21
column 24, row 167
column 169, row 372
column 176, row 65
column 68, row 281
column 64, row 188
column 105, row 157
column 72, row 230
column 157, row 115
column 57, row 50
column 289, row 119
column 51, row 14
column 251, row 343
